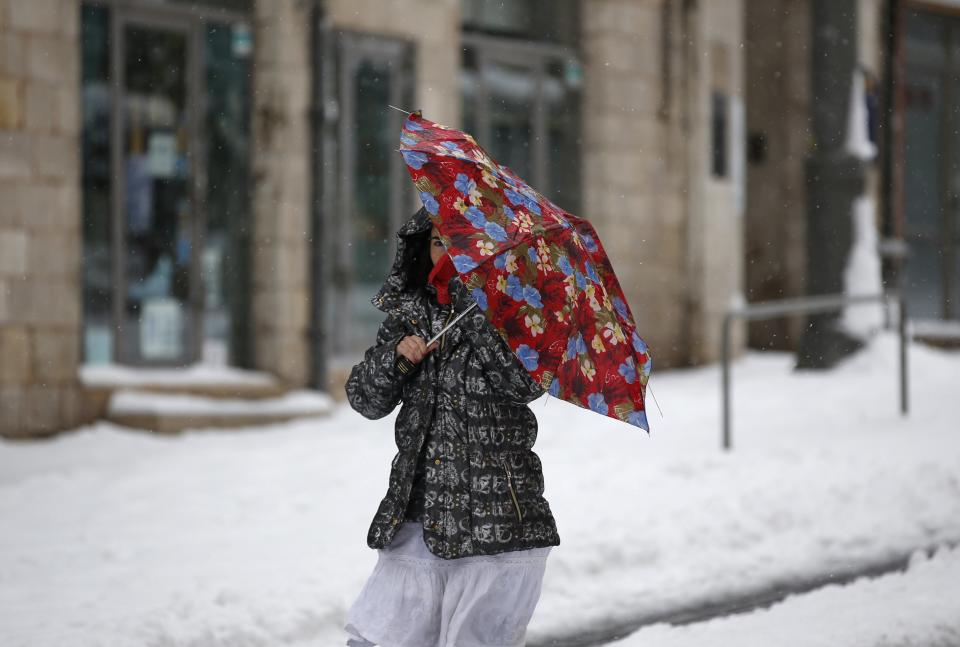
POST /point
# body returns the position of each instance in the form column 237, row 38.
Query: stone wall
column 633, row 165
column 675, row 248
column 40, row 234
column 778, row 112
column 281, row 190
column 715, row 226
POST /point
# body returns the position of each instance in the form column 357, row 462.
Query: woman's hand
column 414, row 348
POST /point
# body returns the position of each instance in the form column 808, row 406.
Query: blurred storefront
column 235, row 187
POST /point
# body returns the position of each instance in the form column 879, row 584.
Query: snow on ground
column 257, row 537
column 901, row 609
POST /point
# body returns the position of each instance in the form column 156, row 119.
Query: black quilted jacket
column 464, row 421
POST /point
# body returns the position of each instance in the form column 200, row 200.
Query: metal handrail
column 807, row 305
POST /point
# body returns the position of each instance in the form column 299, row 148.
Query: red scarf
column 440, row 277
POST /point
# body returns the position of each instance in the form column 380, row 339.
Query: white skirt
column 415, row 599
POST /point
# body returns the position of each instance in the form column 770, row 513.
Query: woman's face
column 437, row 250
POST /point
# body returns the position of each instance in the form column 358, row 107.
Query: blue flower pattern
column 532, row 296
column 555, row 388
column 463, row 263
column 414, row 159
column 576, row 346
column 638, row 419
column 480, row 297
column 597, row 403
column 529, row 357
column 476, row 217
column 464, row 184
column 495, row 232
column 429, row 203
column 514, row 288
column 620, row 307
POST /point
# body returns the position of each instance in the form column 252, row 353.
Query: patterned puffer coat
column 464, row 417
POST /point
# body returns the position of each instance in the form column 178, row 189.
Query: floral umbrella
column 539, row 273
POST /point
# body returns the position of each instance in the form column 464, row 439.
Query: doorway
column 159, row 218
column 165, row 169
column 372, row 194
column 932, row 166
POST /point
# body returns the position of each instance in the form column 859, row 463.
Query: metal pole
column 772, row 309
column 725, row 377
column 904, row 403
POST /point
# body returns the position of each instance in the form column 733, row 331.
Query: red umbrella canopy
column 538, row 272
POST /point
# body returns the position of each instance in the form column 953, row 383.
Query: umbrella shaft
column 451, row 324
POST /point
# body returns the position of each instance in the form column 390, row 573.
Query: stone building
column 215, row 182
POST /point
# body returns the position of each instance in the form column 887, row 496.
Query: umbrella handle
column 404, row 365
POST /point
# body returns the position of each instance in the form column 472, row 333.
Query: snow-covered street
column 257, row 537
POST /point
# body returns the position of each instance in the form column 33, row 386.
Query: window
column 521, row 99
column 718, row 113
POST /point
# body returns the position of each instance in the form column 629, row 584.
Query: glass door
column 157, row 217
column 932, row 166
column 374, row 191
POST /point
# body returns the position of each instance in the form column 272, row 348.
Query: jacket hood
column 411, row 239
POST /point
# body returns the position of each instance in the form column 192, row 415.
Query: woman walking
column 464, row 532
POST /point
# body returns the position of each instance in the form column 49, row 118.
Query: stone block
column 42, row 102
column 69, row 13
column 637, row 53
column 55, row 355
column 621, row 16
column 69, row 110
column 42, row 414
column 14, row 244
column 36, row 15
column 51, row 58
column 283, row 309
column 46, row 301
column 12, row 405
column 15, row 351
column 4, row 302
column 293, row 222
column 56, row 156
column 11, row 105
column 292, row 264
column 631, row 95
column 293, row 361
column 44, row 205
column 15, row 156
column 18, row 197
column 608, row 129
column 74, row 408
column 11, row 54
column 54, row 253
